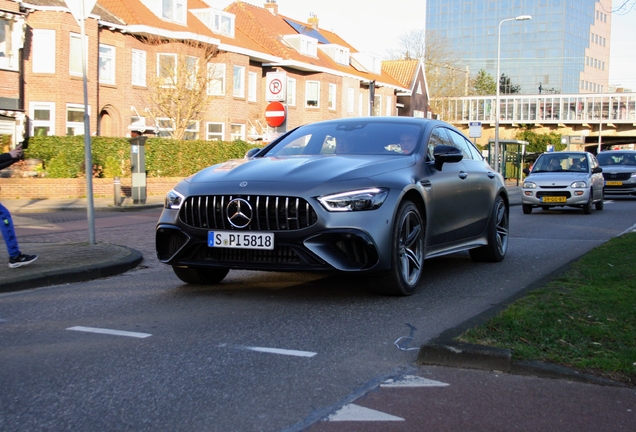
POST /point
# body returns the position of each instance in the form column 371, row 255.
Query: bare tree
column 445, row 74
column 178, row 93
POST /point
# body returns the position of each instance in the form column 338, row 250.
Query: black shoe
column 21, row 260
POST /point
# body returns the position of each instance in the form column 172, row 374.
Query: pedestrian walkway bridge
column 582, row 116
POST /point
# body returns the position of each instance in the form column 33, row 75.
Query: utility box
column 138, row 168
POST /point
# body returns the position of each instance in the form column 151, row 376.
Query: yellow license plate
column 613, row 183
column 553, row 199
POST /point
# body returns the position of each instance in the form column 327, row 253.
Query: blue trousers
column 8, row 232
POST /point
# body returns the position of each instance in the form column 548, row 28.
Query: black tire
column 498, row 231
column 199, row 276
column 587, row 207
column 407, row 255
column 599, row 204
column 527, row 208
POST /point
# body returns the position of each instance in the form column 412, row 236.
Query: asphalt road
column 267, row 351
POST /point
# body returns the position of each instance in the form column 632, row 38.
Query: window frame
column 164, row 81
column 138, row 67
column 307, row 93
column 252, row 86
column 291, row 92
column 212, row 79
column 112, row 58
column 234, row 136
column 210, row 136
column 332, row 100
column 50, row 123
column 75, row 125
column 43, row 44
column 238, row 81
column 72, row 53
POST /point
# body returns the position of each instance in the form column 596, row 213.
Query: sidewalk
column 60, row 263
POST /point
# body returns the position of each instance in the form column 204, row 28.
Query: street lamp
column 497, row 108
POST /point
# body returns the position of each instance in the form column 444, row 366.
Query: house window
column 377, row 105
column 192, row 70
column 75, row 119
column 214, row 131
column 43, row 51
column 165, row 127
column 351, row 99
column 312, row 94
column 291, row 91
column 42, row 115
column 216, row 79
column 239, row 81
column 360, row 104
column 139, row 68
column 192, row 131
column 173, row 10
column 237, row 132
column 332, row 96
column 251, row 86
column 106, row 64
column 389, row 108
column 75, row 60
column 8, row 56
column 167, row 69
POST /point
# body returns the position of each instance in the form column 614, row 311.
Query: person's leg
column 8, row 232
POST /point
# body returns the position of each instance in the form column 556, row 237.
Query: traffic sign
column 474, row 129
column 275, row 114
column 276, row 86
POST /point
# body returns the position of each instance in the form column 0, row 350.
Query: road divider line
column 413, row 381
column 353, row 412
column 282, row 351
column 110, row 332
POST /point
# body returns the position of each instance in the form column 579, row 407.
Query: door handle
column 463, row 175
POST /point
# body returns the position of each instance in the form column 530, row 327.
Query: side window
column 459, row 142
column 438, row 137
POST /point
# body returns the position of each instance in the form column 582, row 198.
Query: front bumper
column 547, row 197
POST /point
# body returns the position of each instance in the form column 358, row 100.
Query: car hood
column 301, row 169
column 558, row 178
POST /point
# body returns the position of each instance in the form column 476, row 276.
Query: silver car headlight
column 173, row 200
column 578, row 185
column 365, row 199
column 529, row 185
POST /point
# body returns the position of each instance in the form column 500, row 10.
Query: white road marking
column 110, row 332
column 353, row 412
column 413, row 381
column 282, row 351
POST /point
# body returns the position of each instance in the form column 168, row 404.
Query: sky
column 376, row 25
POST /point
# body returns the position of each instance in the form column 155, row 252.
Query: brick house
column 130, row 44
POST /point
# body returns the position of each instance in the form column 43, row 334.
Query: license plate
column 613, row 183
column 553, row 199
column 240, row 240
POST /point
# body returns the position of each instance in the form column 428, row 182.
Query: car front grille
column 554, row 194
column 616, row 176
column 274, row 213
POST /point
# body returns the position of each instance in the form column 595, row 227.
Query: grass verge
column 585, row 319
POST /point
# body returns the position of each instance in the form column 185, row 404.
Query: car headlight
column 366, row 199
column 578, row 185
column 173, row 200
column 529, row 185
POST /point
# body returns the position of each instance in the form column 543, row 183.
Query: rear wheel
column 527, row 208
column 599, row 204
column 407, row 256
column 497, row 246
column 199, row 276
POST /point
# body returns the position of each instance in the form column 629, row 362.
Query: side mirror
column 251, row 153
column 446, row 154
column 597, row 169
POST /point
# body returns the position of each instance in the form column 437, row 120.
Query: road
column 262, row 351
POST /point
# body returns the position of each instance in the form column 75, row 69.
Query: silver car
column 558, row 179
column 619, row 171
column 375, row 196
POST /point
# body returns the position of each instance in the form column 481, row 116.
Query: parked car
column 374, row 196
column 559, row 179
column 619, row 171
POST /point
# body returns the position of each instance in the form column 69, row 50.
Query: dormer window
column 171, row 10
column 367, row 62
column 338, row 53
column 218, row 21
column 303, row 44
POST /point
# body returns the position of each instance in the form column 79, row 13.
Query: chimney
column 313, row 21
column 272, row 7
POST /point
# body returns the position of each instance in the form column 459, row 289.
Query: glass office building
column 563, row 49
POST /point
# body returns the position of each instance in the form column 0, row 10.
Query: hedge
column 63, row 156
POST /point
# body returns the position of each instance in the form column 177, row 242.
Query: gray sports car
column 374, row 196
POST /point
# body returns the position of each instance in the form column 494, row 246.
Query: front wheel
column 199, row 276
column 587, row 207
column 497, row 246
column 599, row 204
column 407, row 254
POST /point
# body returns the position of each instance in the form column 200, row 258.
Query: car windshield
column 616, row 159
column 350, row 138
column 561, row 162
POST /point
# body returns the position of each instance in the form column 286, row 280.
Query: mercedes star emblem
column 239, row 213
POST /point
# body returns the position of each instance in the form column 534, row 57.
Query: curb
column 77, row 274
